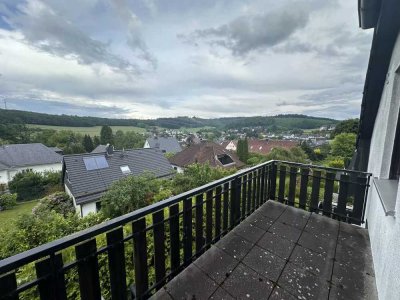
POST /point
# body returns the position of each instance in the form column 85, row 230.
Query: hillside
column 280, row 121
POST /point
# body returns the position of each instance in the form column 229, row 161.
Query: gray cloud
column 47, row 30
column 135, row 40
column 253, row 32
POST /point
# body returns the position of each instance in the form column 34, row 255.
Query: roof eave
column 368, row 13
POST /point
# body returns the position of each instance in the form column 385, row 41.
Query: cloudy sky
column 165, row 58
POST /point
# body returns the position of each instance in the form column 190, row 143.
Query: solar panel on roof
column 101, row 162
column 95, row 162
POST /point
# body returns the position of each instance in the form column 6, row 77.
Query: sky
column 167, row 58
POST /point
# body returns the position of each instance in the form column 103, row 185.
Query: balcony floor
column 280, row 252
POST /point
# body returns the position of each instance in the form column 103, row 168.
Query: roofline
column 100, row 153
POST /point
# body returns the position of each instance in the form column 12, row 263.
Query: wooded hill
column 288, row 122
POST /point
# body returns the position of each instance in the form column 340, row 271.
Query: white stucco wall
column 231, row 146
column 384, row 231
column 39, row 168
column 146, row 145
column 3, row 177
column 178, row 169
column 88, row 208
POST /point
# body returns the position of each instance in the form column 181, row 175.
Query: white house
column 88, row 176
column 378, row 149
column 18, row 157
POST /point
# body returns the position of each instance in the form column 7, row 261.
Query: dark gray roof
column 88, row 186
column 100, row 149
column 167, row 144
column 56, row 149
column 21, row 155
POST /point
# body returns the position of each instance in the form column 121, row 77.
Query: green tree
column 344, row 145
column 7, row 201
column 129, row 194
column 88, row 143
column 96, row 141
column 27, row 185
column 295, row 154
column 106, row 135
column 346, row 126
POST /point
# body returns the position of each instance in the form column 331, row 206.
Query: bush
column 8, row 201
column 59, row 202
column 129, row 194
column 28, row 185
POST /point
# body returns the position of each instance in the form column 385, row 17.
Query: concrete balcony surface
column 281, row 252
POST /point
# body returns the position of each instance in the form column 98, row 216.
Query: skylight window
column 95, row 163
column 125, row 170
column 225, row 159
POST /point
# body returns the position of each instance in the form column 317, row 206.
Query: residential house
column 205, row 152
column 18, row 157
column 57, row 150
column 86, row 177
column 165, row 144
column 261, row 146
column 378, row 143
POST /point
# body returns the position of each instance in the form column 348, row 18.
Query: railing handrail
column 20, row 259
column 322, row 167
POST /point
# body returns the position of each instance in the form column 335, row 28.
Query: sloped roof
column 265, row 146
column 22, row 155
column 87, row 186
column 167, row 144
column 202, row 153
column 100, row 149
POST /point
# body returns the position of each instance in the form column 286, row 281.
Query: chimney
column 109, row 150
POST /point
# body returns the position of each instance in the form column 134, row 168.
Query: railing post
column 292, row 185
column 88, row 270
column 140, row 257
column 303, row 188
column 187, row 231
column 218, row 212
column 328, row 194
column 159, row 247
column 282, row 180
column 8, row 285
column 316, row 183
column 235, row 201
column 359, row 199
column 54, row 286
column 174, row 236
column 342, row 199
column 116, row 264
column 272, row 181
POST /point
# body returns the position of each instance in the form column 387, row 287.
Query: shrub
column 59, row 202
column 8, row 201
column 27, row 185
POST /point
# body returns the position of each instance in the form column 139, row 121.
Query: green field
column 92, row 131
column 7, row 216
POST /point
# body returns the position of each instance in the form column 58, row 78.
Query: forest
column 287, row 122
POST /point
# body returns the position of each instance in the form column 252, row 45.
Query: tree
column 88, row 143
column 129, row 194
column 295, row 154
column 344, row 145
column 27, row 185
column 106, row 135
column 346, row 126
column 96, row 141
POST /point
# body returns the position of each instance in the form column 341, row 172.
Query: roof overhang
column 368, row 13
column 386, row 29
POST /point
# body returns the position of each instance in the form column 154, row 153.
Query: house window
column 395, row 165
column 125, row 170
column 225, row 159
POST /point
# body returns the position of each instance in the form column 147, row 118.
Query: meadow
column 92, row 131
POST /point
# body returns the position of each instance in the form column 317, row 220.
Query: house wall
column 146, row 145
column 178, row 169
column 231, row 146
column 384, row 231
column 88, row 208
column 3, row 177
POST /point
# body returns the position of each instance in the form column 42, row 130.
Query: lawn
column 8, row 215
column 92, row 131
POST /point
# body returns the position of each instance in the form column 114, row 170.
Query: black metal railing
column 134, row 255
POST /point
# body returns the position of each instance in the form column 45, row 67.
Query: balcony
column 279, row 230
